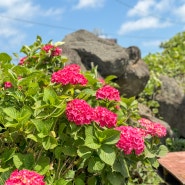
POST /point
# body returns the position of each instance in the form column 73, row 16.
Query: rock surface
column 125, row 63
column 172, row 104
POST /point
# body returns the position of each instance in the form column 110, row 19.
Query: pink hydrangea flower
column 108, row 92
column 69, row 75
column 105, row 117
column 22, row 60
column 55, row 51
column 79, row 112
column 7, row 85
column 152, row 128
column 25, row 177
column 131, row 139
column 72, row 67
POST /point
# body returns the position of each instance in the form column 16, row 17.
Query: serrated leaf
column 62, row 182
column 49, row 142
column 69, row 150
column 111, row 136
column 25, row 114
column 95, row 165
column 7, row 155
column 4, row 57
column 23, row 161
column 50, row 95
column 79, row 181
column 43, row 165
column 90, row 140
column 148, row 153
column 84, row 152
column 107, row 154
column 43, row 126
column 115, row 178
column 70, row 174
column 120, row 166
column 11, row 112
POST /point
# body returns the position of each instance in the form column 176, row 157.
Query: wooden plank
column 174, row 163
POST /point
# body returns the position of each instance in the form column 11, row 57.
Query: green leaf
column 43, row 165
column 69, row 150
column 120, row 166
column 11, row 112
column 90, row 140
column 95, row 165
column 107, row 154
column 7, row 155
column 4, row 170
column 23, row 161
column 109, row 136
column 163, row 150
column 49, row 142
column 50, row 95
column 25, row 114
column 4, row 57
column 92, row 181
column 148, row 153
column 70, row 174
column 58, row 151
column 62, row 182
column 115, row 178
column 79, row 181
column 32, row 137
column 43, row 126
column 109, row 78
column 84, row 152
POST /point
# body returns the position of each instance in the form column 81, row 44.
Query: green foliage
column 169, row 62
column 175, row 144
column 36, row 135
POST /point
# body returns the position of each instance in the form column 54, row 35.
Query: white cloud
column 12, row 10
column 142, row 8
column 89, row 4
column 151, row 7
column 180, row 12
column 141, row 24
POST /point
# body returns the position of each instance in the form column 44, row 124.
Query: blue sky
column 143, row 23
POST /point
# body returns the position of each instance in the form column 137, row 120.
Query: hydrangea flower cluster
column 79, row 112
column 22, row 60
column 152, row 128
column 105, row 117
column 55, row 51
column 7, row 85
column 108, row 92
column 25, row 177
column 69, row 75
column 131, row 139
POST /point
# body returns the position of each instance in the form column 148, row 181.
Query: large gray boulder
column 125, row 63
column 172, row 104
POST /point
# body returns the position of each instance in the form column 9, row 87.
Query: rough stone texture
column 134, row 79
column 73, row 57
column 172, row 104
column 111, row 59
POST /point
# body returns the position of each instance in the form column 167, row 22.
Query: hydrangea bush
column 62, row 126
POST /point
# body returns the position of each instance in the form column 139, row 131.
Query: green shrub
column 53, row 122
